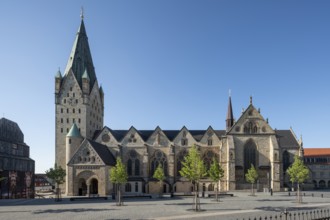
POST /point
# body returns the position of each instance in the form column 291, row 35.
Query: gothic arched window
column 128, row 187
column 286, row 161
column 133, row 163
column 249, row 155
column 137, row 167
column 158, row 158
column 208, row 158
column 129, row 167
column 179, row 159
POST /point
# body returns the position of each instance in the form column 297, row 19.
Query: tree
column 193, row 169
column 160, row 176
column 252, row 176
column 57, row 174
column 298, row 173
column 118, row 175
column 216, row 173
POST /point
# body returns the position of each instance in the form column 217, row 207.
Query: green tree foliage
column 216, row 173
column 194, row 170
column 57, row 174
column 251, row 177
column 118, row 175
column 298, row 173
column 160, row 176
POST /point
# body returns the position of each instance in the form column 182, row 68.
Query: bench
column 137, row 196
column 220, row 194
column 40, row 196
column 88, row 198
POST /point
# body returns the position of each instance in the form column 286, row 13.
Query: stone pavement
column 238, row 207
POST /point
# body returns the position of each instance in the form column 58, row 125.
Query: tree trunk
column 217, row 197
column 196, row 197
column 161, row 185
column 298, row 193
column 252, row 190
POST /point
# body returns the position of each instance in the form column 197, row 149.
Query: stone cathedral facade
column 87, row 148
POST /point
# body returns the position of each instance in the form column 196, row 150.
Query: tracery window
column 158, row 158
column 129, row 167
column 208, row 158
column 128, row 187
column 179, row 159
column 249, row 155
column 133, row 164
column 286, row 161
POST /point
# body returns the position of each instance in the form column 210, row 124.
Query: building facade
column 16, row 166
column 87, row 149
column 318, row 162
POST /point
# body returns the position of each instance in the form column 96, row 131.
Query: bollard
column 289, row 194
column 321, row 195
column 312, row 194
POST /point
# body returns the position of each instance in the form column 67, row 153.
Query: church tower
column 78, row 97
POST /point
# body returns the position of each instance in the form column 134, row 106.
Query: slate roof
column 286, row 139
column 312, row 152
column 103, row 152
column 170, row 134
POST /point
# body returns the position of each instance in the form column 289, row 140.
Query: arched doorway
column 94, row 187
column 322, row 184
column 82, row 187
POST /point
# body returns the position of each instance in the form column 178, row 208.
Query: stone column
column 88, row 189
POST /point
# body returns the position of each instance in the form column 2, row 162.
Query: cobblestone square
column 242, row 205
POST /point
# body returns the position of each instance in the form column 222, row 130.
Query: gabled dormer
column 210, row 138
column 184, row 138
column 132, row 138
column 251, row 122
column 107, row 137
column 158, row 138
column 70, row 91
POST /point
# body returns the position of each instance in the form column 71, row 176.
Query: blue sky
column 170, row 63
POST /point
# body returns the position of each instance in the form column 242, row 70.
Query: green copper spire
column 80, row 59
column 74, row 131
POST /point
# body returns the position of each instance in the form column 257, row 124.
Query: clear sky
column 171, row 63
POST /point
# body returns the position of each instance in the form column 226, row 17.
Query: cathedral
column 87, row 149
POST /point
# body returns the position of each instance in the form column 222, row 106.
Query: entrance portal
column 94, row 187
column 82, row 187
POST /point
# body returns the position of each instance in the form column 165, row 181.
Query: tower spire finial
column 251, row 99
column 82, row 13
column 229, row 92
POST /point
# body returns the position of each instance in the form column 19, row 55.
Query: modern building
column 42, row 183
column 318, row 161
column 15, row 163
column 87, row 149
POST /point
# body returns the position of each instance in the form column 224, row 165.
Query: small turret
column 85, row 82
column 301, row 147
column 58, row 81
column 73, row 141
column 102, row 95
column 86, row 86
